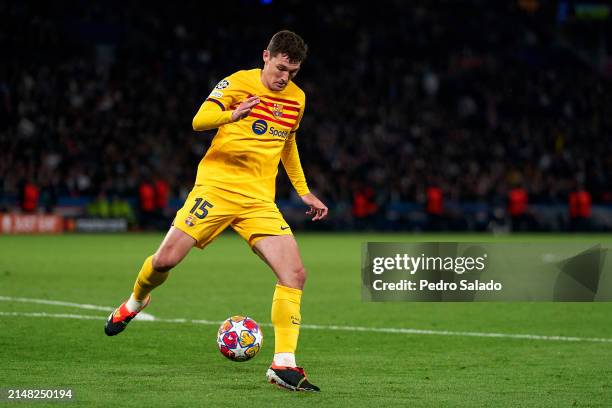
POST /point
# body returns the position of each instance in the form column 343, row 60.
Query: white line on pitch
column 56, row 315
column 340, row 328
column 141, row 315
column 56, row 303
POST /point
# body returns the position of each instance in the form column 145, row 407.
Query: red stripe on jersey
column 282, row 100
column 289, row 108
column 280, row 122
column 263, row 108
column 217, row 102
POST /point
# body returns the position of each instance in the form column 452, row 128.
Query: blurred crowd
column 474, row 98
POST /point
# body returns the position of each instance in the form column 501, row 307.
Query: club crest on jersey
column 277, row 110
column 190, row 220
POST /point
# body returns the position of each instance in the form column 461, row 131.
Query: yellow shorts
column 210, row 210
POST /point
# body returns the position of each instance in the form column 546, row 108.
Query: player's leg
column 202, row 218
column 281, row 253
column 262, row 225
column 153, row 273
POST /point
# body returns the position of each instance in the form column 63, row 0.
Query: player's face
column 278, row 71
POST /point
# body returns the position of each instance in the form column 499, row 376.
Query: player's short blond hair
column 288, row 43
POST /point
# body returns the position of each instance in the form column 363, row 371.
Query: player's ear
column 266, row 56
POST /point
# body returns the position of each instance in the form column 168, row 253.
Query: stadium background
column 447, row 116
column 443, row 115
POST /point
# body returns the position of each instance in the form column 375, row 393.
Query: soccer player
column 257, row 112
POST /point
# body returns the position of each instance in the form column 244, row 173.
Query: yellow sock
column 148, row 279
column 286, row 318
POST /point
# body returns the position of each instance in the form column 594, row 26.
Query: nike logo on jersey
column 284, row 228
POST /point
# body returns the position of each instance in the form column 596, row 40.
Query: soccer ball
column 239, row 338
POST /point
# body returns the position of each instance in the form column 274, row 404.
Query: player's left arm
column 317, row 209
column 291, row 162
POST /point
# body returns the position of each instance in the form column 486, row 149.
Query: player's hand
column 317, row 209
column 245, row 107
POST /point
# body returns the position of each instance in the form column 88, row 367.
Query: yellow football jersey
column 244, row 155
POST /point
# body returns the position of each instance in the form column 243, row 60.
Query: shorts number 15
column 200, row 209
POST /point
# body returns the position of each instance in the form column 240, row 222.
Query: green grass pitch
column 176, row 364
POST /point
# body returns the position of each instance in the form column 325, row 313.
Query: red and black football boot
column 290, row 378
column 119, row 319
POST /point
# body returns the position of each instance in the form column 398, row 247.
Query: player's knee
column 298, row 277
column 163, row 261
column 294, row 277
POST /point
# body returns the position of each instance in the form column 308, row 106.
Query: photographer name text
column 422, row 263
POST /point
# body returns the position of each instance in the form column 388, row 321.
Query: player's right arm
column 216, row 110
column 210, row 115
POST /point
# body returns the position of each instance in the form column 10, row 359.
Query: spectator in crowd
column 517, row 208
column 146, row 202
column 30, row 194
column 580, row 210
